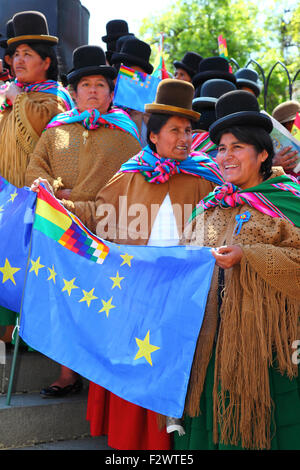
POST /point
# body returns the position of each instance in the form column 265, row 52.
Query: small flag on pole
column 223, row 52
column 160, row 70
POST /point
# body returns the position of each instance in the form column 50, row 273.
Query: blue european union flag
column 16, row 218
column 125, row 317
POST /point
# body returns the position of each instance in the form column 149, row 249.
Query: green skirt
column 7, row 317
column 285, row 430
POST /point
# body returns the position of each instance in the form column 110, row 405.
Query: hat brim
column 112, row 37
column 201, row 77
column 118, row 57
column 205, row 102
column 181, row 65
column 104, row 70
column 249, row 84
column 241, row 118
column 32, row 39
column 172, row 111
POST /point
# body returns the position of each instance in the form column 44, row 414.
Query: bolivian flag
column 56, row 222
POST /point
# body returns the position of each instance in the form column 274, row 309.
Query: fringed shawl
column 259, row 321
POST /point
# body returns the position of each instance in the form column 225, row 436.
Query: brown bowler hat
column 174, row 97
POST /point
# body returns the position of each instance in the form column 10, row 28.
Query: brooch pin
column 241, row 219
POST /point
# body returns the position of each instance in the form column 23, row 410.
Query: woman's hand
column 286, row 157
column 12, row 92
column 227, row 256
column 35, row 185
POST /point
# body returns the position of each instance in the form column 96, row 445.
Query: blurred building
column 67, row 19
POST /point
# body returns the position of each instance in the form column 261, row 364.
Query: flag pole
column 17, row 328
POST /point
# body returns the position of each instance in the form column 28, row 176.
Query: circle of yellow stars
column 144, row 345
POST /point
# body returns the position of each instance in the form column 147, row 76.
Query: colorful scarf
column 276, row 197
column 202, row 143
column 48, row 86
column 91, row 119
column 156, row 169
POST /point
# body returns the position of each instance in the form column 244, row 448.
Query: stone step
column 30, row 420
column 33, row 371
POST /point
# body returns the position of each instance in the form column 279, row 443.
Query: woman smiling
column 244, row 379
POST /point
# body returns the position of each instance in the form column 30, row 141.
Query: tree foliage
column 194, row 25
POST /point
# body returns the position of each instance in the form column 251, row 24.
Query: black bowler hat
column 238, row 108
column 30, row 27
column 116, row 45
column 247, row 78
column 211, row 91
column 134, row 52
column 206, row 103
column 115, row 29
column 9, row 34
column 213, row 67
column 89, row 60
column 189, row 63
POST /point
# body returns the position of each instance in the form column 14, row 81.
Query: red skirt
column 127, row 426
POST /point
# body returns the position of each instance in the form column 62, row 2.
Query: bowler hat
column 238, row 108
column 9, row 34
column 213, row 67
column 89, row 60
column 205, row 104
column 211, row 90
column 286, row 111
column 115, row 29
column 116, row 45
column 30, row 27
column 174, row 97
column 247, row 78
column 189, row 63
column 134, row 52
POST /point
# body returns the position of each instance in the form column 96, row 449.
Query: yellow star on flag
column 8, row 272
column 13, row 196
column 126, row 259
column 145, row 348
column 106, row 306
column 69, row 285
column 88, row 296
column 52, row 274
column 117, row 280
column 36, row 266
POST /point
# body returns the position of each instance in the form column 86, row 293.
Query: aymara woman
column 244, row 390
column 33, row 98
column 82, row 149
